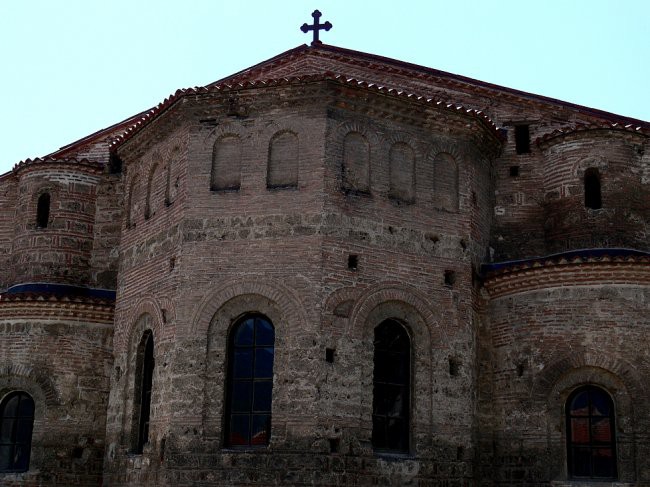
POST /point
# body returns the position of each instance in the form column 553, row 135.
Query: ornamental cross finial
column 316, row 27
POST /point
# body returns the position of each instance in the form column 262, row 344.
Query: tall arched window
column 591, row 442
column 391, row 388
column 16, row 423
column 250, row 382
column 592, row 189
column 43, row 210
column 143, row 388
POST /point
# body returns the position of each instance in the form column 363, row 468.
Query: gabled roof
column 327, row 55
column 370, row 70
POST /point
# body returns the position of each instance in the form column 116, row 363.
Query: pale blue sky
column 71, row 67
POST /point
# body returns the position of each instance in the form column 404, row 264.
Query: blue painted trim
column 583, row 253
column 61, row 290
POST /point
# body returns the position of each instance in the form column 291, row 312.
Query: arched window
column 445, row 182
column 591, row 447
column 250, row 382
column 142, row 390
column 356, row 163
column 283, row 161
column 391, row 388
column 43, row 210
column 16, row 423
column 226, row 164
column 592, row 189
column 402, row 172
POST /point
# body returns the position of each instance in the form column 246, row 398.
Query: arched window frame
column 143, row 389
column 392, row 382
column 17, row 442
column 43, row 206
column 592, row 189
column 575, row 423
column 240, row 406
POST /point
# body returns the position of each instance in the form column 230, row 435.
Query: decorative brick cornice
column 576, row 268
column 50, row 307
column 83, row 165
column 340, row 79
column 561, row 133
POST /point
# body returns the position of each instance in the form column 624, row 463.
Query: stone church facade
column 331, row 268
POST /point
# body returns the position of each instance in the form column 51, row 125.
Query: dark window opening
column 522, row 139
column 514, row 171
column 460, row 453
column 520, row 369
column 450, row 278
column 250, row 382
column 114, row 163
column 353, row 262
column 592, row 189
column 591, row 447
column 335, row 444
column 329, row 355
column 454, row 367
column 145, row 378
column 43, row 210
column 391, row 388
column 16, row 425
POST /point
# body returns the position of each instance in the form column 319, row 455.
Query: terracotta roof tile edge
column 582, row 127
column 53, row 160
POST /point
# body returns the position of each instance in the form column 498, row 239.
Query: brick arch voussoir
column 333, row 300
column 404, row 138
column 579, row 167
column 445, row 147
column 224, row 130
column 36, row 377
column 369, row 132
column 284, row 298
column 560, row 365
column 146, row 305
column 359, row 325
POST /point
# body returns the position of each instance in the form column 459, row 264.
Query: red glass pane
column 601, row 431
column 580, row 431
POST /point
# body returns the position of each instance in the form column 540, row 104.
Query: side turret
column 54, row 221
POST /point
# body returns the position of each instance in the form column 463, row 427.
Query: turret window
column 592, row 189
column 43, row 210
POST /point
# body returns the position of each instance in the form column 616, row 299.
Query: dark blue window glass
column 591, row 448
column 391, row 388
column 16, row 424
column 250, row 382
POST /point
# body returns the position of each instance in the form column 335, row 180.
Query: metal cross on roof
column 316, row 27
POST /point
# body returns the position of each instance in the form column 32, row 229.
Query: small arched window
column 250, row 382
column 591, row 446
column 282, row 169
column 592, row 189
column 43, row 210
column 16, row 424
column 143, row 387
column 356, row 163
column 391, row 388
